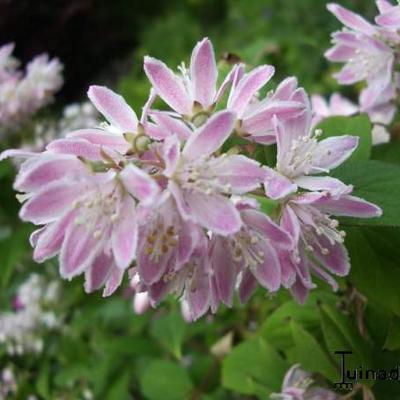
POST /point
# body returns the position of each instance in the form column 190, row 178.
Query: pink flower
column 365, row 51
column 337, row 106
column 389, row 15
column 193, row 95
column 296, row 386
column 300, row 156
column 307, row 218
column 89, row 218
column 251, row 253
column 202, row 183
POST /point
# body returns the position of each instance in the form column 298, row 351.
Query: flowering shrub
column 233, row 186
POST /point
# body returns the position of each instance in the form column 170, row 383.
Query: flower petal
column 333, row 151
column 276, row 185
column 98, row 273
column 168, row 86
column 315, row 183
column 171, row 154
column 113, row 281
column 124, row 235
column 214, row 212
column 114, row 108
column 351, row 20
column 171, row 125
column 211, row 136
column 51, row 202
column 77, row 147
column 248, row 86
column 203, row 73
column 139, row 184
column 248, row 285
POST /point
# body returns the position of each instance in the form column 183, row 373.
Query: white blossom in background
column 22, row 94
column 20, row 329
column 8, row 383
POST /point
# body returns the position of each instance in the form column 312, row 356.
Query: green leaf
column 309, row 354
column 377, row 182
column 341, row 335
column 388, row 152
column 359, row 125
column 119, row 388
column 375, row 272
column 169, row 330
column 165, row 380
column 252, row 367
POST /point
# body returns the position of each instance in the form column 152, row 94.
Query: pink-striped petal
column 210, row 136
column 171, row 154
column 214, row 212
column 114, row 108
column 171, row 125
column 351, row 20
column 51, row 202
column 333, row 151
column 315, row 183
column 203, row 73
column 248, row 86
column 139, row 184
column 124, row 234
column 168, row 86
column 290, row 223
column 276, row 185
column 97, row 275
column 77, row 147
column 389, row 19
column 113, row 281
column 248, row 285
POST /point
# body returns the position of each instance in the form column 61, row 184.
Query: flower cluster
column 20, row 329
column 296, row 386
column 173, row 194
column 370, row 53
column 23, row 94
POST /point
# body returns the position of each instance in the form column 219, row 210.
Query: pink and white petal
column 234, row 76
column 214, row 212
column 156, row 132
column 263, row 224
column 351, row 20
column 326, row 183
column 248, row 86
column 189, row 237
column 35, row 235
column 168, row 86
column 337, row 259
column 125, row 234
column 78, row 251
column 224, row 270
column 171, row 154
column 241, row 173
column 322, row 274
column 49, row 203
column 348, row 75
column 147, row 107
column 50, row 241
column 261, row 119
column 101, row 138
column 211, row 136
column 171, row 124
column 290, row 223
column 383, row 5
column 44, row 170
column 320, row 106
column 141, row 303
column 285, row 89
column 268, row 273
column 77, row 147
column 139, row 184
column 18, row 153
column 333, row 151
column 389, row 19
column 288, row 273
column 299, row 291
column 113, row 282
column 198, row 299
column 152, row 267
column 97, row 275
column 342, row 106
column 183, row 206
column 203, row 73
column 340, row 53
column 114, row 108
column 247, row 286
column 349, row 206
column 276, row 185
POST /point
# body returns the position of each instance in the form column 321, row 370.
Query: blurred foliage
column 106, row 349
